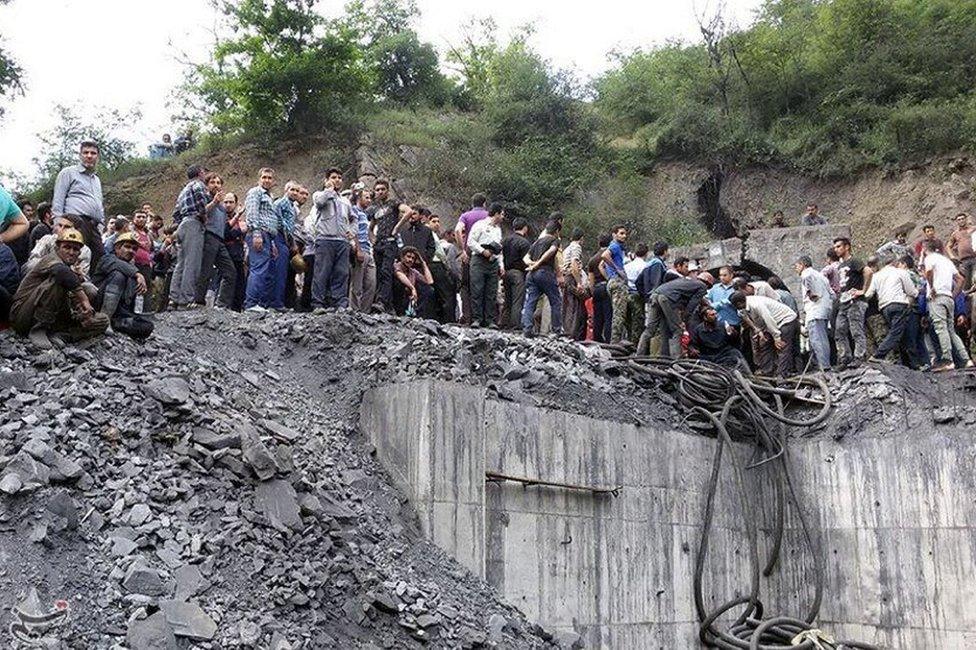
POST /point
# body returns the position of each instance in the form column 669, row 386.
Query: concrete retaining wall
column 896, row 515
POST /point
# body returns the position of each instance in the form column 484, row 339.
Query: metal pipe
column 495, row 477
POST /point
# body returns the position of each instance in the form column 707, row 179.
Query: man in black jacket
column 119, row 283
column 671, row 304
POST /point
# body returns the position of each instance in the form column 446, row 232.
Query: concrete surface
column 775, row 249
column 896, row 516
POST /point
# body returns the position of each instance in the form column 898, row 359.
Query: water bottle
column 139, row 304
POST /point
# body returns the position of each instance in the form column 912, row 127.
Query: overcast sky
column 125, row 53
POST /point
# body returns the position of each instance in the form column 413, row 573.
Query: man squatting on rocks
column 67, row 273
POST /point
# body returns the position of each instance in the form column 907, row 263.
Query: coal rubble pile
column 209, row 488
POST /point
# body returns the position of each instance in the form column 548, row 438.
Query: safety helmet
column 298, row 263
column 126, row 237
column 71, row 236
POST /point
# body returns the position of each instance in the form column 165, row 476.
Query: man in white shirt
column 485, row 249
column 775, row 327
column 944, row 282
column 896, row 292
column 817, row 308
column 635, row 302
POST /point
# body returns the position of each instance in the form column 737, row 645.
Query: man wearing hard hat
column 50, row 302
column 119, row 284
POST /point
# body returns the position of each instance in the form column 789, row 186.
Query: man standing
column 896, row 292
column 775, row 326
column 960, row 248
column 214, row 252
column 613, row 259
column 335, row 230
column 817, row 306
column 384, row 215
column 575, row 288
column 484, row 243
column 896, row 248
column 463, row 229
column 944, row 282
column 718, row 297
column 262, row 231
column 651, row 278
column 192, row 205
column 514, row 249
column 143, row 255
column 50, row 300
column 635, row 302
column 362, row 283
column 445, row 273
column 928, row 234
column 286, row 210
column 543, row 280
column 414, row 233
column 119, row 282
column 671, row 305
column 854, row 279
column 78, row 191
column 812, row 216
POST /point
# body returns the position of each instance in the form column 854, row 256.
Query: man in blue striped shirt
column 262, row 232
column 287, row 213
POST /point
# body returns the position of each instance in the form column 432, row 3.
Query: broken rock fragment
column 278, row 502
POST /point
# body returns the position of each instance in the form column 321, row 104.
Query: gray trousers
column 659, row 313
column 362, row 284
column 819, row 341
column 215, row 254
column 850, row 325
column 942, row 313
column 189, row 260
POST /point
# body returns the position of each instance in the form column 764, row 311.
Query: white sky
column 124, row 53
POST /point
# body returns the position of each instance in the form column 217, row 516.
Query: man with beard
column 51, row 302
column 384, row 215
column 119, row 282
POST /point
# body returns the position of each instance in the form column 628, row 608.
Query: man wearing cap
column 119, row 282
column 78, row 191
column 775, row 327
column 671, row 305
column 50, row 300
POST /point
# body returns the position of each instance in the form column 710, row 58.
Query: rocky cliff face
column 725, row 200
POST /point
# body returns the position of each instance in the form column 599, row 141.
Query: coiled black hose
column 740, row 407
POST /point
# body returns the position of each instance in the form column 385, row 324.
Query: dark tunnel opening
column 713, row 215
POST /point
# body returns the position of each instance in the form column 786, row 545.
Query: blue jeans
column 282, row 264
column 261, row 277
column 819, row 341
column 330, row 282
column 539, row 282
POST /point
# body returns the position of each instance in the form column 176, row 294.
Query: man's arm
column 15, row 230
column 906, row 283
column 768, row 321
column 542, row 260
column 60, row 192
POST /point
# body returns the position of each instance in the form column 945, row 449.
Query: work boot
column 643, row 345
column 38, row 336
column 110, row 303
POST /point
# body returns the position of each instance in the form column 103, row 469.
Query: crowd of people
column 69, row 273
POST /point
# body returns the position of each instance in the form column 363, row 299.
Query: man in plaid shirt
column 262, row 233
column 190, row 215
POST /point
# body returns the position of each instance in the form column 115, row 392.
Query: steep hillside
column 711, row 202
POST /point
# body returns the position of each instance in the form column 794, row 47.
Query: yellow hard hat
column 127, row 237
column 71, row 236
column 298, row 263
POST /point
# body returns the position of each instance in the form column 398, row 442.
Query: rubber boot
column 38, row 336
column 644, row 345
column 110, row 304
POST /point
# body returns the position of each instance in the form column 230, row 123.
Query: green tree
column 282, row 70
column 10, row 76
column 60, row 144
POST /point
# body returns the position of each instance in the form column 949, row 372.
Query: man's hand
column 140, row 284
column 779, row 344
column 465, row 258
column 413, row 295
column 857, row 293
column 486, row 254
column 258, row 242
